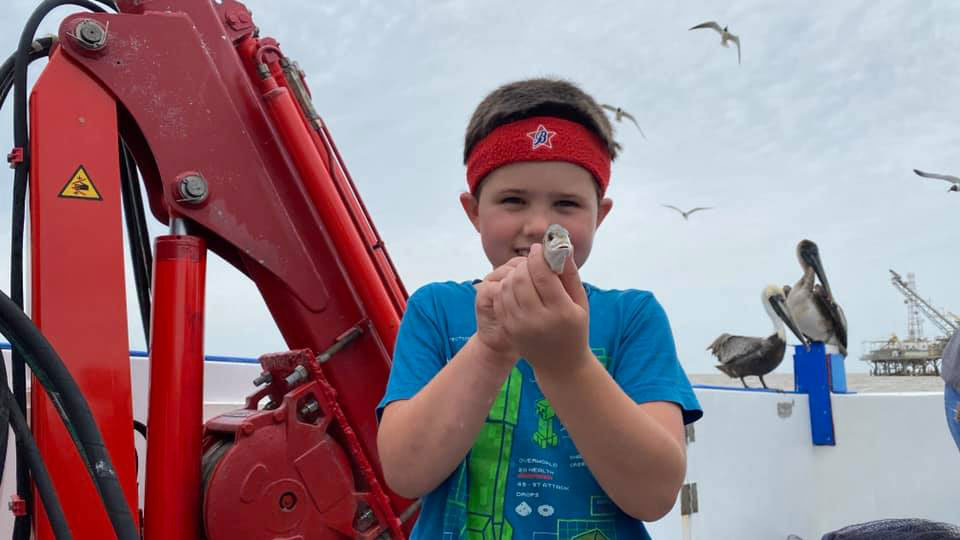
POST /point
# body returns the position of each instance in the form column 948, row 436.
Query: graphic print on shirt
column 545, row 435
column 476, row 503
column 485, row 473
column 554, row 477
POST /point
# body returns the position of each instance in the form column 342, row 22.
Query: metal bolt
column 365, row 520
column 299, row 375
column 264, row 378
column 310, row 408
column 239, row 19
column 193, row 189
column 287, row 501
column 90, row 34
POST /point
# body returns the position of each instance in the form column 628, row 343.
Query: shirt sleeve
column 418, row 353
column 648, row 368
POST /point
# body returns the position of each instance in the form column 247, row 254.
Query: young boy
column 531, row 405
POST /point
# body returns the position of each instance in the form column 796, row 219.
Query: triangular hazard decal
column 80, row 186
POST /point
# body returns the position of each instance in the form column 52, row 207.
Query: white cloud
column 814, row 135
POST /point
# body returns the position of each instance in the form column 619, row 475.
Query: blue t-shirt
column 524, row 479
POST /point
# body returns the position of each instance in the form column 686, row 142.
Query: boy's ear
column 603, row 209
column 471, row 206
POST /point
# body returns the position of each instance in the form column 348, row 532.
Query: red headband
column 541, row 138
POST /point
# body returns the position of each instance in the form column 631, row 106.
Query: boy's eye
column 511, row 200
column 572, row 204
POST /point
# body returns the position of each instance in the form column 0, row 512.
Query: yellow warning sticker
column 80, row 186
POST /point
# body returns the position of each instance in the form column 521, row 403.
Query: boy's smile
column 517, row 203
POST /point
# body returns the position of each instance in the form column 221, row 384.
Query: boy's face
column 519, row 201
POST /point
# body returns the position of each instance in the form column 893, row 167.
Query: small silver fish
column 556, row 247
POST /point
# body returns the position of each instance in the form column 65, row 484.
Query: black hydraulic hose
column 39, row 49
column 69, row 402
column 140, row 428
column 31, row 454
column 21, row 141
column 21, row 137
column 4, row 419
column 137, row 236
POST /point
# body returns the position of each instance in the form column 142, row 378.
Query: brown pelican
column 620, row 114
column 949, row 178
column 725, row 36
column 741, row 356
column 812, row 304
column 688, row 212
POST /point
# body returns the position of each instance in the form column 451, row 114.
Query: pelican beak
column 779, row 305
column 811, row 255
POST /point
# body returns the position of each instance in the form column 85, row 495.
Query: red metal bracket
column 18, row 506
column 15, row 157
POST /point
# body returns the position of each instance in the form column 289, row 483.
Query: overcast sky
column 813, row 136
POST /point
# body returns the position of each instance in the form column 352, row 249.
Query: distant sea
column 856, row 382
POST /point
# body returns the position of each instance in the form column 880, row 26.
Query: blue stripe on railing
column 740, row 389
column 211, row 358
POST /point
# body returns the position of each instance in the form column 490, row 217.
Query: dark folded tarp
column 897, row 529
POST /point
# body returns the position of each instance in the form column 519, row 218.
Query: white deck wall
column 758, row 474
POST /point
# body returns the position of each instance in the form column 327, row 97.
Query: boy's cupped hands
column 524, row 309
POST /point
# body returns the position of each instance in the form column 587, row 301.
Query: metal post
column 175, row 417
column 811, row 373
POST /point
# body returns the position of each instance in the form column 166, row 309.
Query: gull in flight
column 621, row 114
column 952, row 179
column 688, row 212
column 725, row 36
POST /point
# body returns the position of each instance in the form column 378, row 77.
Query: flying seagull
column 952, row 179
column 621, row 114
column 688, row 212
column 725, row 36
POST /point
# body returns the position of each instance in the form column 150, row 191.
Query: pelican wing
column 609, row 107
column 749, row 355
column 709, row 24
column 736, row 39
column 731, row 349
column 835, row 317
column 697, row 209
column 672, row 207
column 946, row 177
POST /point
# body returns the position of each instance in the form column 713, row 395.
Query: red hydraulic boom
column 234, row 159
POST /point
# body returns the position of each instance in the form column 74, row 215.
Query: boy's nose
column 535, row 227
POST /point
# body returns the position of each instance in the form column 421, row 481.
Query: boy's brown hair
column 538, row 97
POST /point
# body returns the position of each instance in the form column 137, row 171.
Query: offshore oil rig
column 915, row 355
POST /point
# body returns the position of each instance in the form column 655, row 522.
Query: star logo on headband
column 541, row 137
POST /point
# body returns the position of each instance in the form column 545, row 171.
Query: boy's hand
column 490, row 330
column 546, row 315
